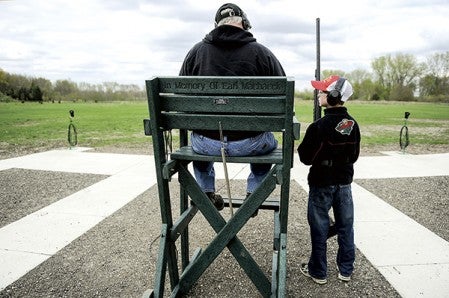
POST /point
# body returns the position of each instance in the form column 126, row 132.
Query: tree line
column 397, row 77
column 25, row 88
column 400, row 78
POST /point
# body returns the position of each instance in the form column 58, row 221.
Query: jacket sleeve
column 185, row 66
column 276, row 67
column 310, row 145
column 356, row 149
column 268, row 64
column 188, row 63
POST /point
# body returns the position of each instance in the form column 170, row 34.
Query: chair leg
column 185, row 233
column 226, row 233
column 277, row 231
column 282, row 266
column 161, row 265
column 166, row 259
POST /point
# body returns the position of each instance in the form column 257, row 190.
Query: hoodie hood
column 227, row 35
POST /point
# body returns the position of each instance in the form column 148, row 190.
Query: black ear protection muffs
column 334, row 96
column 245, row 22
column 230, row 10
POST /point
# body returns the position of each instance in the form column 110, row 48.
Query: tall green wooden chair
column 237, row 103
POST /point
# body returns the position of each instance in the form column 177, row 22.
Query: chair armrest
column 296, row 128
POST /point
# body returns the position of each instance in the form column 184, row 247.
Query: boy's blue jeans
column 321, row 199
column 259, row 145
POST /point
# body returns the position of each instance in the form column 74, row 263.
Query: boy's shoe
column 217, row 200
column 344, row 278
column 305, row 271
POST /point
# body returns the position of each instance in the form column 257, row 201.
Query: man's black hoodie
column 230, row 51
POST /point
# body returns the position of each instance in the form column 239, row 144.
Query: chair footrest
column 272, row 204
column 187, row 153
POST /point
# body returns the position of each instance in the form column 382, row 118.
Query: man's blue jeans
column 321, row 199
column 259, row 145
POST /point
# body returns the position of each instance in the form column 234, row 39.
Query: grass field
column 31, row 125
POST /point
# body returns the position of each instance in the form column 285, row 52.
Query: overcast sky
column 128, row 41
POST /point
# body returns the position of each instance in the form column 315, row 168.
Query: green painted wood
column 274, row 274
column 223, row 85
column 147, row 127
column 239, row 103
column 187, row 154
column 279, row 275
column 184, row 206
column 169, row 169
column 163, row 189
column 277, row 231
column 182, row 223
column 222, row 104
column 269, row 204
column 296, row 128
column 161, row 265
column 217, row 222
column 285, row 197
column 228, row 122
column 282, row 284
column 159, row 150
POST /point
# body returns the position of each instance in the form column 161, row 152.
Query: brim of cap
column 319, row 85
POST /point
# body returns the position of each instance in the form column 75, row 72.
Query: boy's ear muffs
column 334, row 96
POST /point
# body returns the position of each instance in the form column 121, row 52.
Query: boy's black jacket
column 331, row 145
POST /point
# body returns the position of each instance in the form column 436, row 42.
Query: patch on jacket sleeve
column 345, row 126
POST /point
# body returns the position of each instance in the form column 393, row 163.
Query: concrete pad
column 11, row 270
column 401, row 166
column 426, row 277
column 389, row 237
column 367, row 207
column 43, row 232
column 75, row 161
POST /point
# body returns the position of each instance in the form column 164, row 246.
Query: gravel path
column 26, row 191
column 425, row 199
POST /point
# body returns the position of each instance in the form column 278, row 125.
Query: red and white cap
column 330, row 83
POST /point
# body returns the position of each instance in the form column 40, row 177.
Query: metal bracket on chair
column 169, row 169
column 296, row 128
column 147, row 127
column 279, row 176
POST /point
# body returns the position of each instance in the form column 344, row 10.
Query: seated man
column 230, row 50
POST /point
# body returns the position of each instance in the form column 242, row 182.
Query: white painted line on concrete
column 398, row 165
column 16, row 264
column 410, row 256
column 431, row 279
column 75, row 161
column 29, row 241
column 413, row 259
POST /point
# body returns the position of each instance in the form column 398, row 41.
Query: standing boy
column 331, row 145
